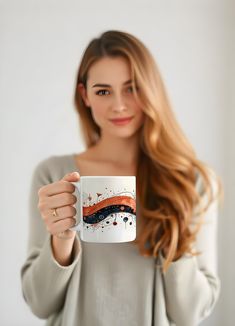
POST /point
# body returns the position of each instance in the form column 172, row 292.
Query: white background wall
column 40, row 47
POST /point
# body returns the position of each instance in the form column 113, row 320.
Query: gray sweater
column 112, row 284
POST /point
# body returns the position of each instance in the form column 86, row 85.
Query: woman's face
column 109, row 95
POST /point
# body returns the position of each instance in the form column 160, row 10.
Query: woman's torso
column 114, row 278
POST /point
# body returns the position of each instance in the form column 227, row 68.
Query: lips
column 121, row 119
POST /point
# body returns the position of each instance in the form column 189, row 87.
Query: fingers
column 61, row 186
column 61, row 200
column 47, row 204
column 58, row 195
column 73, row 176
column 62, row 213
column 64, row 220
column 55, row 188
column 61, row 226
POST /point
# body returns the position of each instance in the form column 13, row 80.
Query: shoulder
column 214, row 184
column 200, row 181
column 53, row 167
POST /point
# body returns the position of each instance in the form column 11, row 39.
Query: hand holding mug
column 55, row 204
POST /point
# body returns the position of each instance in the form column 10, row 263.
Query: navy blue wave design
column 101, row 214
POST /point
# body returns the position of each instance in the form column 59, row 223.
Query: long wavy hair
column 167, row 168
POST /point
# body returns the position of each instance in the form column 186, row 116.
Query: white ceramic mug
column 106, row 208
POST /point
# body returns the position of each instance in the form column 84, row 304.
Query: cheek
column 97, row 105
column 141, row 120
column 140, row 115
column 98, row 112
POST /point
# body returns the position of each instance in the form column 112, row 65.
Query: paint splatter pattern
column 109, row 210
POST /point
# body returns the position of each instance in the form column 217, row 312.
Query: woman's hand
column 59, row 196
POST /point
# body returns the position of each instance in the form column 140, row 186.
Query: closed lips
column 121, row 119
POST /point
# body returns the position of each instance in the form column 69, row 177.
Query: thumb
column 73, row 176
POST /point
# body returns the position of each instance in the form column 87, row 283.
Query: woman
column 168, row 275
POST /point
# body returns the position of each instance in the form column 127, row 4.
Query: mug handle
column 77, row 226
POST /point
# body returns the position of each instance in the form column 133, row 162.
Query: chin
column 124, row 133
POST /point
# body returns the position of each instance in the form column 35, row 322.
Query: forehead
column 109, row 70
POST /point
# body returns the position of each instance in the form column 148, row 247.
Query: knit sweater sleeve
column 192, row 285
column 44, row 281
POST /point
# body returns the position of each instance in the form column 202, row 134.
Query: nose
column 118, row 104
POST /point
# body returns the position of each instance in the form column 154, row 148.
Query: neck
column 121, row 151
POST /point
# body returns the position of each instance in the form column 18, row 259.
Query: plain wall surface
column 41, row 43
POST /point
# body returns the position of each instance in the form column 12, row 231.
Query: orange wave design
column 117, row 200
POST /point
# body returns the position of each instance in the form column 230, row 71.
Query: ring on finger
column 54, row 213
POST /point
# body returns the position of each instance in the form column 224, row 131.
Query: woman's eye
column 131, row 88
column 101, row 90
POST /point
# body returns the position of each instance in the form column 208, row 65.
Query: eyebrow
column 106, row 85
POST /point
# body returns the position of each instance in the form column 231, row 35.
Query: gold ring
column 54, row 212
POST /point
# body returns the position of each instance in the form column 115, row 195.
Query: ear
column 83, row 92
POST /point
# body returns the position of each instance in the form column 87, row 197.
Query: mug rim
column 107, row 176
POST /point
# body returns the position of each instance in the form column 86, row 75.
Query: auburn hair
column 170, row 208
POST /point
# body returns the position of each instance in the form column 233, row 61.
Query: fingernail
column 74, row 174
